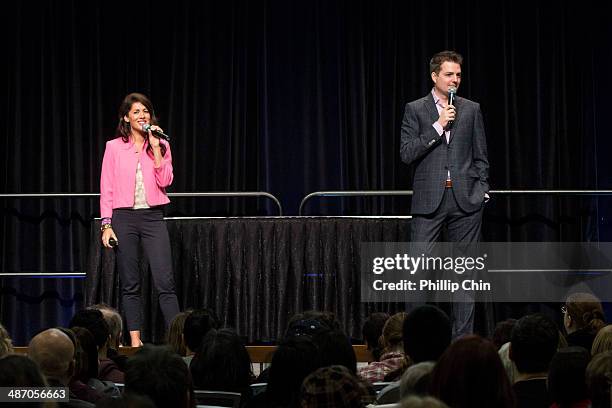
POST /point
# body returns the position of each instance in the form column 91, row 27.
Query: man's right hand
column 446, row 115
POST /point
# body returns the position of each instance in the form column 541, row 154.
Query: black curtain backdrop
column 289, row 97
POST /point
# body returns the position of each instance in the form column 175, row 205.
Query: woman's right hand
column 106, row 235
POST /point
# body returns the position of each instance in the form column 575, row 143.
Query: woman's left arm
column 163, row 166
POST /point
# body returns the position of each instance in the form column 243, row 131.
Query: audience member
column 583, row 317
column 197, row 324
column 603, row 341
column 599, row 379
column 533, row 344
column 115, row 325
column 294, row 359
column 174, row 337
column 566, row 378
column 335, row 349
column 327, row 319
column 393, row 361
column 18, row 371
column 94, row 321
column 158, row 373
column 372, row 330
column 470, row 375
column 502, row 332
column 426, row 333
column 334, row 386
column 85, row 383
column 417, row 379
column 54, row 352
column 222, row 364
column 6, row 345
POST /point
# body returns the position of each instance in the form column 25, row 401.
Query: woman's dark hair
column 293, row 360
column 566, row 376
column 502, row 332
column 222, row 364
column 470, row 374
column 123, row 128
column 19, row 370
column 89, row 356
column 335, row 349
column 372, row 330
column 197, row 324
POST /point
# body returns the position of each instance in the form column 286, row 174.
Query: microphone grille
column 452, row 89
column 147, row 126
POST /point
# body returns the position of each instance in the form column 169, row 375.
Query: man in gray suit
column 447, row 146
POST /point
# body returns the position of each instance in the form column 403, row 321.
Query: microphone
column 452, row 93
column 147, row 126
column 112, row 242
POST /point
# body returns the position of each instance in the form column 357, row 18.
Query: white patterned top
column 140, row 198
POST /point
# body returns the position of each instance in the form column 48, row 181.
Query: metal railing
column 195, row 194
column 366, row 193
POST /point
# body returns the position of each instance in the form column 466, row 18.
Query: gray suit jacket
column 465, row 156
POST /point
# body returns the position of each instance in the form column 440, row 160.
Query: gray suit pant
column 462, row 228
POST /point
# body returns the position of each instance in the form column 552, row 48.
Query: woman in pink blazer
column 136, row 169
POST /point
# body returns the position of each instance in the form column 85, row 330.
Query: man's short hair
column 533, row 343
column 161, row 374
column 441, row 57
column 427, row 333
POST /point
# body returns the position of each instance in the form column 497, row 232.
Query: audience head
column 54, row 352
column 422, row 402
column 326, row 319
column 159, row 373
column 335, row 349
column 6, row 345
column 87, row 366
column 583, row 311
column 417, row 379
column 114, row 322
column 599, row 379
column 300, row 326
column 294, row 359
column 533, row 344
column 197, row 324
column 470, row 375
column 372, row 330
column 334, row 386
column 427, row 333
column 566, row 376
column 392, row 335
column 603, row 341
column 222, row 364
column 502, row 332
column 19, row 370
column 174, row 337
column 92, row 320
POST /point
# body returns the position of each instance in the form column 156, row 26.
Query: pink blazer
column 118, row 178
